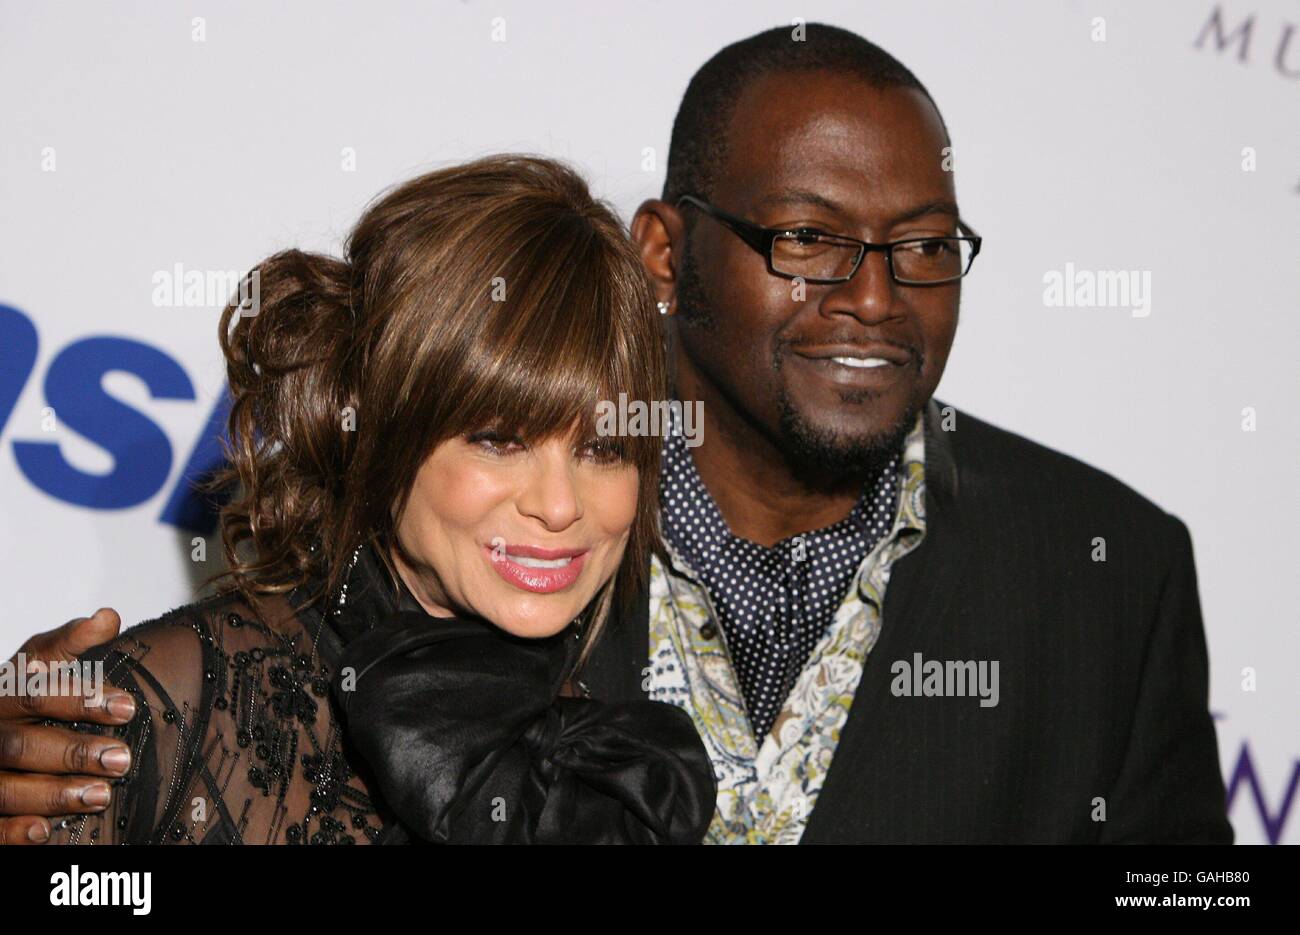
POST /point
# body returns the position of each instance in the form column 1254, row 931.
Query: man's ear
column 659, row 234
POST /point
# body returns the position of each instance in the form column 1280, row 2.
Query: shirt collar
column 939, row 472
column 699, row 519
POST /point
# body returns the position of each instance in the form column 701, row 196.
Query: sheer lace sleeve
column 161, row 664
column 234, row 740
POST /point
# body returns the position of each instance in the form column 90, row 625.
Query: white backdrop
column 134, row 137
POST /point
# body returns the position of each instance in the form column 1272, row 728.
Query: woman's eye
column 496, row 443
column 604, row 450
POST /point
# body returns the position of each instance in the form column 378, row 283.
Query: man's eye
column 802, row 243
column 930, row 249
column 809, row 235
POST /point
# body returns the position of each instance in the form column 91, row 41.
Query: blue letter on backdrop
column 17, row 356
column 142, row 456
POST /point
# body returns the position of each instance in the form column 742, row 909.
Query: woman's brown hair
column 498, row 293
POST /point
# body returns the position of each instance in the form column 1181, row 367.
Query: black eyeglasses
column 818, row 257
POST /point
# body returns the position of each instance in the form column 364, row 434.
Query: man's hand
column 58, row 767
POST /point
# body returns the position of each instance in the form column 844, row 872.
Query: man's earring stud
column 663, row 307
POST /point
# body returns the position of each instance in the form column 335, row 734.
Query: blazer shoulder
column 1004, row 466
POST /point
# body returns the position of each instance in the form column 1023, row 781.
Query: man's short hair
column 699, row 142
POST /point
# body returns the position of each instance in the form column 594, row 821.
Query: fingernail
column 116, row 759
column 95, row 795
column 121, row 705
column 38, row 833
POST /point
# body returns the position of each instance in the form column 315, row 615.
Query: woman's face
column 522, row 535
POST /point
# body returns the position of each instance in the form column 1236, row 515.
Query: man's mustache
column 793, row 344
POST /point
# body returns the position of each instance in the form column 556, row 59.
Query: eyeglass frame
column 761, row 239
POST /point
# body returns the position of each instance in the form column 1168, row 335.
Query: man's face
column 825, row 151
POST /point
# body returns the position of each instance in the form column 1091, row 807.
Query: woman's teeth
column 861, row 362
column 539, row 562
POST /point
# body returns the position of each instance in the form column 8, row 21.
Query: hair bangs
column 558, row 345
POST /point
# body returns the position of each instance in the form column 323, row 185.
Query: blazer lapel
column 921, row 586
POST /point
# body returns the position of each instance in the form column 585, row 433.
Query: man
column 889, row 620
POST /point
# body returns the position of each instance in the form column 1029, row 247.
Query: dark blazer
column 1102, row 665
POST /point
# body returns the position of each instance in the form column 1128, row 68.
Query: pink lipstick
column 532, row 568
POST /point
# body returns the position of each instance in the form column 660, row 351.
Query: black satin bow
column 462, row 727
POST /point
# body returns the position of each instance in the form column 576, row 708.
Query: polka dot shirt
column 773, row 604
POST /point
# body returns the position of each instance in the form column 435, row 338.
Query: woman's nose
column 551, row 493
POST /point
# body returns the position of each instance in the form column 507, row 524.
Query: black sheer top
column 369, row 721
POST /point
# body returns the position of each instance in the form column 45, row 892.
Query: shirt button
column 708, row 631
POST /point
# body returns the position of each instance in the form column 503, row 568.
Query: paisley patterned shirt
column 766, row 792
column 774, row 602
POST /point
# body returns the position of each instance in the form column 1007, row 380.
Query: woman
column 425, row 538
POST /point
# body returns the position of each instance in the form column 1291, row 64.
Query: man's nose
column 551, row 493
column 870, row 296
